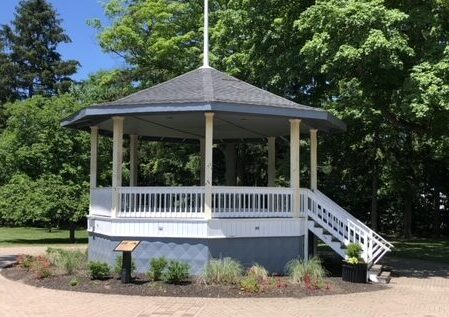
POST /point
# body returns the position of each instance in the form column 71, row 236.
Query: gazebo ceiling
column 175, row 110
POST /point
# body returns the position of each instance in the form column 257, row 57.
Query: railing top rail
column 354, row 220
column 342, row 213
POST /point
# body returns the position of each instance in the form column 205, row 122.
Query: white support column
column 230, row 164
column 133, row 160
column 208, row 144
column 271, row 170
column 313, row 159
column 202, row 163
column 117, row 160
column 294, row 164
column 93, row 156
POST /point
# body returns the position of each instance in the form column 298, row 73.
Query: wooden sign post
column 126, row 247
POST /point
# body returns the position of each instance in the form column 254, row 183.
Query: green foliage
column 167, row 46
column 176, row 272
column 67, row 261
column 119, row 263
column 99, row 270
column 74, row 282
column 157, row 267
column 307, row 273
column 46, row 162
column 32, row 43
column 354, row 253
column 250, row 285
column 223, row 271
column 24, row 261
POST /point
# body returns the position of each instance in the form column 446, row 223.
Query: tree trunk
column 72, row 233
column 374, row 188
column 436, row 221
column 408, row 216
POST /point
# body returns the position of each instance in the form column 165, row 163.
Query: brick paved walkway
column 415, row 295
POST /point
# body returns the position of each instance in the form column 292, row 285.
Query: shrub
column 250, row 285
column 67, row 261
column 74, row 282
column 309, row 273
column 99, row 270
column 258, row 272
column 176, row 272
column 224, row 271
column 41, row 266
column 25, row 261
column 157, row 267
column 354, row 253
column 119, row 263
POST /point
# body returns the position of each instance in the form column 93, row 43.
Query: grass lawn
column 434, row 250
column 421, row 248
column 38, row 236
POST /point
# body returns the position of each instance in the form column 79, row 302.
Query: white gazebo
column 268, row 225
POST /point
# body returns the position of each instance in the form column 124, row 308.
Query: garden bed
column 141, row 285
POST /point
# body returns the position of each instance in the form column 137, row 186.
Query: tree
column 158, row 38
column 44, row 177
column 31, row 43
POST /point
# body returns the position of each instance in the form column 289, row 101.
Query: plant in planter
column 354, row 269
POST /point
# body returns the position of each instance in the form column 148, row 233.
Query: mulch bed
column 143, row 287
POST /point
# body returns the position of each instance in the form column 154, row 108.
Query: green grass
column 38, row 236
column 436, row 250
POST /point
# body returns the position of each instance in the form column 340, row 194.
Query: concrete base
column 271, row 252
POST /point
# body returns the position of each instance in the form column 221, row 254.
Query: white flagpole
column 206, row 35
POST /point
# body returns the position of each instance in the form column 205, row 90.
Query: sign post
column 126, row 247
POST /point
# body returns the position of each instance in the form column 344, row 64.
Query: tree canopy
column 382, row 66
column 31, row 43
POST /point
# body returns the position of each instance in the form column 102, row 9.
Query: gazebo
column 266, row 225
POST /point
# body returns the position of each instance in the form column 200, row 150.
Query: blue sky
column 84, row 46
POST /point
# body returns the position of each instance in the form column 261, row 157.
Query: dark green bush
column 99, row 270
column 157, row 267
column 176, row 272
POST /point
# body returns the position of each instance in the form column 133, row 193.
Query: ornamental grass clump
column 67, row 261
column 354, row 253
column 223, row 271
column 310, row 274
column 258, row 272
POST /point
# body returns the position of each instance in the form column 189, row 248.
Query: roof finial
column 206, row 35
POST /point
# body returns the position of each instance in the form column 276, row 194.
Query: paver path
column 412, row 295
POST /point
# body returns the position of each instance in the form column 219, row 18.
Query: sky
column 84, row 47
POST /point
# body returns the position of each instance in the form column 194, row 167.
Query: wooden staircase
column 337, row 228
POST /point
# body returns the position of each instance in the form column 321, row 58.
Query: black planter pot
column 354, row 273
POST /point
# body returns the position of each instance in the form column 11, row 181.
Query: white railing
column 252, row 202
column 161, row 202
column 101, row 202
column 343, row 226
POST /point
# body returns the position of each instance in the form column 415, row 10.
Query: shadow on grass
column 44, row 241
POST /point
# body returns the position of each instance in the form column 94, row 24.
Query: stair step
column 384, row 277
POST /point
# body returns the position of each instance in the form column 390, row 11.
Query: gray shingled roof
column 174, row 110
column 207, row 85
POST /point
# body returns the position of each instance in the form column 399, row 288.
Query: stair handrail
column 370, row 237
column 354, row 219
